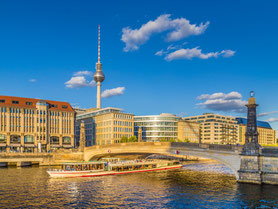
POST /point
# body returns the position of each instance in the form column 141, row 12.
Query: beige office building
column 267, row 136
column 111, row 127
column 216, row 129
column 188, row 130
column 29, row 125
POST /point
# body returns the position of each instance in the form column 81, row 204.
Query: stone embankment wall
column 67, row 156
column 44, row 159
column 259, row 169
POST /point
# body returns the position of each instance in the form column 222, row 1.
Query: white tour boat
column 102, row 168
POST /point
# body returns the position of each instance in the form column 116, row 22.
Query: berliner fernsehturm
column 99, row 76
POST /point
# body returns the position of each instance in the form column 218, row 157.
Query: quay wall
column 261, row 169
column 43, row 159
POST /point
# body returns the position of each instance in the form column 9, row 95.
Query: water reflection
column 194, row 186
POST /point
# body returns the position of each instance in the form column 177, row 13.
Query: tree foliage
column 186, row 140
column 167, row 140
column 124, row 139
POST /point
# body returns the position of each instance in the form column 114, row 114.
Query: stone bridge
column 226, row 154
column 258, row 169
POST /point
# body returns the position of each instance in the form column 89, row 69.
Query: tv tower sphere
column 99, row 76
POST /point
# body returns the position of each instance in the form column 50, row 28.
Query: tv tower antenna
column 98, row 43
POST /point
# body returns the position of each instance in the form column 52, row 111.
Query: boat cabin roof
column 111, row 158
column 132, row 164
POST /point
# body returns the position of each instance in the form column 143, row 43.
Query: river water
column 196, row 185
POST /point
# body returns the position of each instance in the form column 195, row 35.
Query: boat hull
column 72, row 174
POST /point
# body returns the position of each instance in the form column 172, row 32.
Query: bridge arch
column 230, row 158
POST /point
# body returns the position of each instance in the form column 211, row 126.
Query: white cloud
column 113, row 92
column 272, row 120
column 182, row 114
column 231, row 102
column 180, row 28
column 32, row 80
column 83, row 73
column 79, row 82
column 267, row 113
column 160, row 53
column 183, row 28
column 220, row 95
column 228, row 53
column 196, row 52
column 172, row 47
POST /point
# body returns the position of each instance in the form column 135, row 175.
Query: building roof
column 95, row 111
column 161, row 115
column 22, row 103
column 262, row 124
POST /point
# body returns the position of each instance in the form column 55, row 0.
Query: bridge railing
column 182, row 144
column 269, row 151
column 219, row 147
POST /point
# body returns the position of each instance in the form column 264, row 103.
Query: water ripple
column 196, row 185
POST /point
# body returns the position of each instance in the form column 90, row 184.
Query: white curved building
column 157, row 127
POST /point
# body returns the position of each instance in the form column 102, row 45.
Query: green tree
column 186, row 140
column 124, row 139
column 172, row 140
column 132, row 139
column 163, row 140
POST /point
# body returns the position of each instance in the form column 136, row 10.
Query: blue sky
column 218, row 51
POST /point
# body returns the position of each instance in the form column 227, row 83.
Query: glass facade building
column 157, row 127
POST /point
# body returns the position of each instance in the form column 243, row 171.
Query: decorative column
column 61, row 141
column 36, row 142
column 250, row 169
column 140, row 134
column 251, row 146
column 82, row 137
column 22, row 142
column 8, row 142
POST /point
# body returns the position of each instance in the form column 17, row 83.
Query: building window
column 29, row 139
column 29, row 103
column 54, row 140
column 3, row 138
column 66, row 140
column 2, row 101
column 15, row 102
column 53, row 105
column 64, row 106
column 15, row 139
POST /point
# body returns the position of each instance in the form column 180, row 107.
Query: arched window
column 3, row 138
column 54, row 140
column 29, row 139
column 66, row 140
column 15, row 139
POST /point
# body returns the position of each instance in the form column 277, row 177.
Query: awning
column 67, row 145
column 3, row 144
